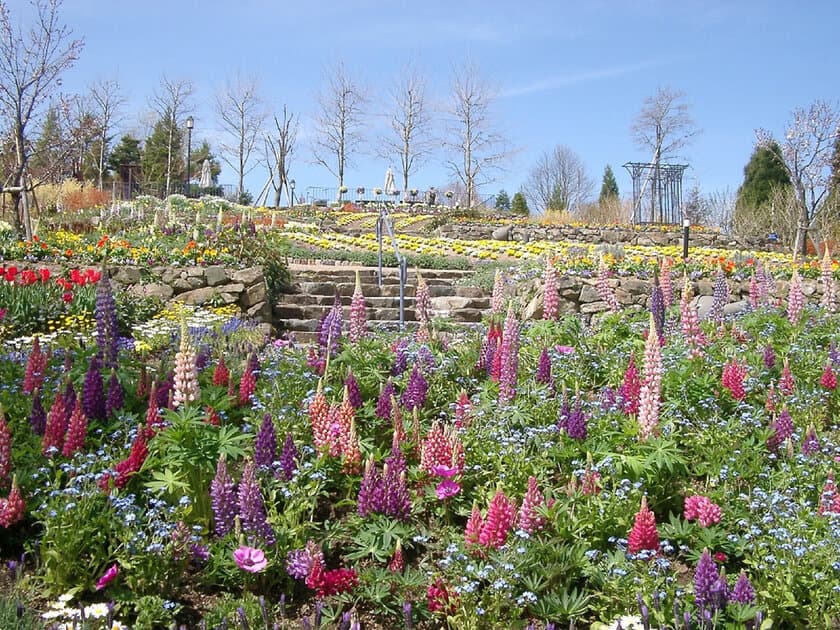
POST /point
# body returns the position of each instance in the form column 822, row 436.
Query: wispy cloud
column 564, row 80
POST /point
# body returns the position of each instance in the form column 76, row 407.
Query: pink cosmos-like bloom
column 447, row 489
column 250, row 559
column 108, row 577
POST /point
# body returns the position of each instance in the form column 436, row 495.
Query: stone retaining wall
column 586, row 234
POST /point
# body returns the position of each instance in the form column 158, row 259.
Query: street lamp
column 190, row 125
column 686, row 226
column 292, row 196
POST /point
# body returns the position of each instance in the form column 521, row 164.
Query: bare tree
column 409, row 138
column 279, row 147
column 559, row 181
column 338, row 122
column 241, row 111
column 806, row 156
column 663, row 127
column 477, row 148
column 107, row 99
column 171, row 101
column 31, row 66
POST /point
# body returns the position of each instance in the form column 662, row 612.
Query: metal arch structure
column 657, row 192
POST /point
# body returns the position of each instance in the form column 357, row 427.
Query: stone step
column 349, row 271
column 306, row 299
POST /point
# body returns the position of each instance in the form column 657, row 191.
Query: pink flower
column 446, row 472
column 250, row 559
column 446, row 489
column 108, row 577
column 565, row 349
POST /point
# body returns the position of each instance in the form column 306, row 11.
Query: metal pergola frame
column 657, row 191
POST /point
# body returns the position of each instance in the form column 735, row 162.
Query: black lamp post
column 686, row 226
column 190, row 125
column 292, row 190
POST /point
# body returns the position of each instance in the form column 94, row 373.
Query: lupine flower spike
column 5, row 448
column 602, row 286
column 829, row 297
column 644, row 535
column 509, row 358
column 358, row 312
column 551, row 300
column 649, row 396
column 186, row 372
column 796, row 300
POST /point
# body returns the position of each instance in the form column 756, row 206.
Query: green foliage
column 518, row 205
column 609, row 187
column 13, row 614
column 166, row 142
column 763, row 173
column 502, row 201
column 125, row 153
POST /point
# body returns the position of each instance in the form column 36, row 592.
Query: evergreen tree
column 156, row 150
column 763, row 173
column 519, row 206
column 48, row 154
column 558, row 201
column 609, row 187
column 502, row 201
column 126, row 153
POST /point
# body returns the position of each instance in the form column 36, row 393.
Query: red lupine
column 76, row 431
column 644, row 535
column 733, row 377
column 786, row 382
column 770, row 402
column 12, row 508
column 828, row 378
column 326, row 583
column 247, row 384
column 501, row 517
column 397, row 563
column 221, row 374
column 130, row 466
column 631, row 388
column 440, row 599
column 36, row 366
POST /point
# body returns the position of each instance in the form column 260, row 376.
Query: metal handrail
column 384, row 222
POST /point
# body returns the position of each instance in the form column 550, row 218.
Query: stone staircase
column 315, row 285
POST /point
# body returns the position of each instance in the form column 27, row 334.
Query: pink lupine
column 649, row 397
column 56, row 426
column 689, row 323
column 247, row 384
column 829, row 297
column 786, row 382
column 462, row 410
column 643, row 535
column 397, row 563
column 422, row 299
column 529, row 520
column 474, row 525
column 829, row 497
column 501, row 517
column 755, row 294
column 76, row 431
column 352, row 453
column 828, row 378
column 796, row 300
column 701, row 509
column 5, row 448
column 665, row 281
column 358, row 312
column 602, row 286
column 509, row 362
column 551, row 300
column 631, row 388
column 186, row 372
column 770, row 402
column 733, row 377
column 13, row 507
column 441, row 448
column 497, row 301
column 319, row 419
column 36, row 367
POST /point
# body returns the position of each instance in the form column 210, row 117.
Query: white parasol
column 206, row 176
column 390, row 186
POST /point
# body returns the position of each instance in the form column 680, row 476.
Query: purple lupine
column 782, row 430
column 299, row 561
column 107, row 330
column 383, row 403
column 116, row 396
column 509, row 358
column 576, row 422
column 720, row 592
column 705, row 576
column 353, row 393
column 69, row 398
column 657, row 309
column 834, row 353
column 397, row 502
column 371, row 480
column 38, row 416
column 811, row 443
column 769, row 357
column 93, row 392
column 720, row 296
column 401, row 358
column 331, row 326
column 742, row 592
column 252, row 508
column 163, row 390
column 289, row 458
column 265, row 445
column 565, row 411
column 609, row 398
column 415, row 392
column 223, row 499
column 544, row 367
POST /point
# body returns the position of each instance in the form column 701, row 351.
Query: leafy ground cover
column 645, row 469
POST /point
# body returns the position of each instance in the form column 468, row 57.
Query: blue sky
column 572, row 73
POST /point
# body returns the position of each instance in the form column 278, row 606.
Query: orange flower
column 101, row 242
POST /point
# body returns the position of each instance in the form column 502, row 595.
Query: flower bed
column 547, row 472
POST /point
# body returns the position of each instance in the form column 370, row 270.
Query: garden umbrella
column 206, row 177
column 390, row 187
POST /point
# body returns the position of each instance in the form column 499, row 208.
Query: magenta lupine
column 769, row 357
column 289, row 458
column 544, row 368
column 551, row 300
column 186, row 373
column 796, row 299
column 415, row 392
column 252, row 508
column 811, row 443
column 733, row 377
column 643, row 535
column 74, row 441
column 353, row 392
column 782, row 430
column 702, row 509
column 743, row 592
column 422, row 299
column 689, row 322
column 265, row 445
column 223, row 499
column 828, row 380
column 509, row 358
column 755, row 294
column 36, row 367
column 56, row 427
column 38, row 416
column 786, row 383
column 358, row 312
column 500, row 519
column 93, row 391
column 829, row 296
column 602, row 286
column 116, row 396
column 649, row 396
column 5, row 448
column 665, row 281
column 497, row 301
column 383, row 403
column 529, row 520
column 247, row 384
column 631, row 388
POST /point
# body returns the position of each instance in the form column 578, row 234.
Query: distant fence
column 125, row 191
column 364, row 196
